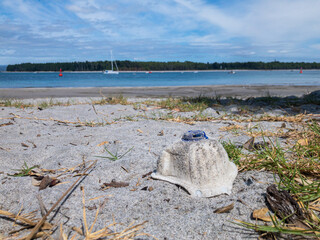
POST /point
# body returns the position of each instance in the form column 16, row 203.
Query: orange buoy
column 60, row 74
column 301, row 70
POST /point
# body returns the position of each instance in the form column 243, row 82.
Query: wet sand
column 175, row 91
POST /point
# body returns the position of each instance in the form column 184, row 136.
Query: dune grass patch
column 112, row 100
column 14, row 103
column 297, row 169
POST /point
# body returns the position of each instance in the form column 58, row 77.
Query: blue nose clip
column 194, row 135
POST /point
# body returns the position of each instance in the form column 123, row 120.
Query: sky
column 40, row 31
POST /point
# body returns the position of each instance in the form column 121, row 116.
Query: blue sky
column 159, row 30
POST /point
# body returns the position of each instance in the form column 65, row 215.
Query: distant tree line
column 159, row 66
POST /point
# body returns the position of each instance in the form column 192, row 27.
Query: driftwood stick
column 41, row 222
column 42, row 206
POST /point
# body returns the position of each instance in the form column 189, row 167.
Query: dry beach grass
column 50, row 144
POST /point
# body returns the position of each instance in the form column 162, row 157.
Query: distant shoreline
column 166, row 71
column 240, row 91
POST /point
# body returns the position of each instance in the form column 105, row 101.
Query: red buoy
column 301, row 70
column 60, row 74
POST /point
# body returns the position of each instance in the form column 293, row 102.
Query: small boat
column 232, row 72
column 111, row 71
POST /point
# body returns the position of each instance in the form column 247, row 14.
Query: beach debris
column 48, row 182
column 33, row 144
column 232, row 127
column 146, row 188
column 5, row 149
column 43, row 208
column 261, row 214
column 244, row 203
column 77, row 230
column 126, row 170
column 225, row 209
column 161, row 133
column 286, row 207
column 90, row 208
column 131, row 232
column 94, row 109
column 79, row 123
column 114, row 184
column 6, row 124
column 303, row 142
column 24, row 145
column 25, row 220
column 249, row 145
column 198, row 164
column 43, row 220
column 102, row 196
column 138, row 183
column 147, row 174
column 102, row 143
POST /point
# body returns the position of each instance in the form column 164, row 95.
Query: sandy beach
column 159, row 120
column 185, row 91
column 71, row 137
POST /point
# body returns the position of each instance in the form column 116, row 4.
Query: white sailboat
column 111, row 71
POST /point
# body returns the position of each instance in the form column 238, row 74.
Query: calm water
column 52, row 80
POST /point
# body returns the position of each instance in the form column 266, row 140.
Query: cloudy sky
column 159, row 30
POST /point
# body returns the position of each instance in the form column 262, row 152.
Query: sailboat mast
column 111, row 60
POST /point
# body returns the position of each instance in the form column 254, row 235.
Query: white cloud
column 281, row 20
column 7, row 52
column 146, row 29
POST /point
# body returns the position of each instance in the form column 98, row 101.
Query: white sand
column 170, row 211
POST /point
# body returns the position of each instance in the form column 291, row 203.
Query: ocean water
column 142, row 79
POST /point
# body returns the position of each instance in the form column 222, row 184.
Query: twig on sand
column 41, row 222
column 42, row 206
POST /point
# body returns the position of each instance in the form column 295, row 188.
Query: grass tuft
column 24, row 171
column 14, row 103
column 234, row 152
column 114, row 156
column 112, row 100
